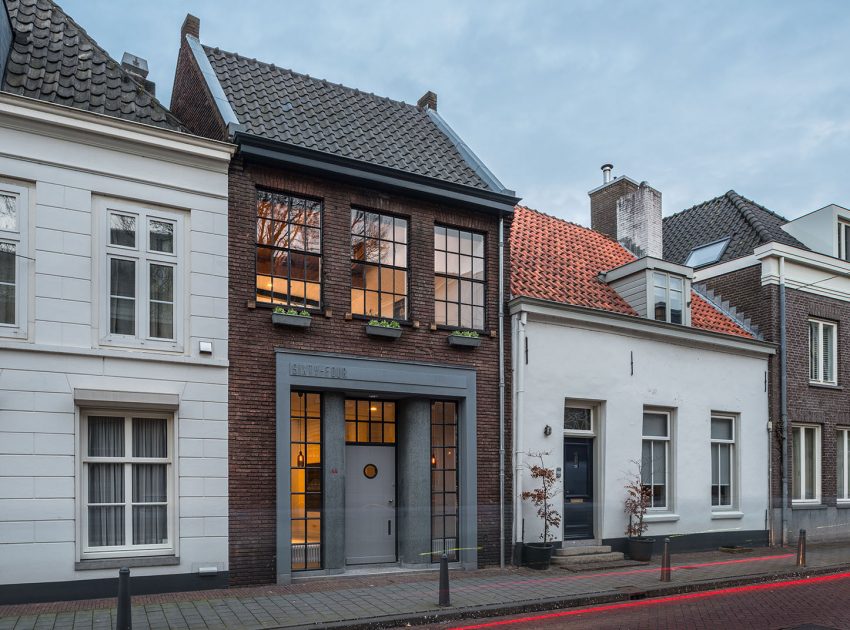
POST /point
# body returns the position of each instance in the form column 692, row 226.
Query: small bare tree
column 636, row 503
column 541, row 497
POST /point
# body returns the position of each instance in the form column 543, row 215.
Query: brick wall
column 603, row 206
column 253, row 340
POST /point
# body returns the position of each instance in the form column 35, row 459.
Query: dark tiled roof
column 747, row 223
column 552, row 259
column 53, row 59
column 285, row 106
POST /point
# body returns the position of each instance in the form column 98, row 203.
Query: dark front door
column 578, row 488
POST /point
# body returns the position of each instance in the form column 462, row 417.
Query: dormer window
column 668, row 297
column 706, row 254
column 844, row 240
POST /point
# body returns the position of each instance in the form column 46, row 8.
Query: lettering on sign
column 320, row 371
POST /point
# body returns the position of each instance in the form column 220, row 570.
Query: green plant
column 542, row 496
column 384, row 323
column 291, row 311
column 465, row 333
column 636, row 503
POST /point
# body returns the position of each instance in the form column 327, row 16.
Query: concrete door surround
column 338, row 376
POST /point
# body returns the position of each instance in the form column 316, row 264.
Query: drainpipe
column 783, row 399
column 519, row 419
column 502, row 392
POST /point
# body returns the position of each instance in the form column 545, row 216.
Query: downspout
column 783, row 399
column 502, row 392
column 519, row 424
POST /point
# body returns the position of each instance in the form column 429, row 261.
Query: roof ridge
column 741, row 204
column 110, row 59
column 276, row 68
column 694, row 207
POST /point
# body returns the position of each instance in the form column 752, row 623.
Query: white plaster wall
column 566, row 361
column 65, row 172
column 818, row 230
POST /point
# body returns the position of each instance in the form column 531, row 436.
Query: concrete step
column 614, row 556
column 582, row 551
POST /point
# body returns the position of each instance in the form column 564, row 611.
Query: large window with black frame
column 444, row 488
column 305, row 471
column 378, row 265
column 289, row 250
column 459, row 278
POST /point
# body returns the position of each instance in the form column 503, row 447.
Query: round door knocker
column 370, row 471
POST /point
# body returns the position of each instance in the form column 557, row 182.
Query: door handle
column 390, row 501
column 389, row 528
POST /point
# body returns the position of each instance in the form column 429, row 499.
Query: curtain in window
column 106, row 522
column 150, row 437
column 827, row 332
column 106, row 436
column 150, row 522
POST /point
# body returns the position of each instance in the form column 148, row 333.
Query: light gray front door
column 369, row 504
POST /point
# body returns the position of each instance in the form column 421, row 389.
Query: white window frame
column 668, row 459
column 19, row 239
column 128, row 550
column 568, row 403
column 818, row 459
column 143, row 257
column 651, row 297
column 733, row 463
column 843, row 446
column 821, row 324
column 843, row 240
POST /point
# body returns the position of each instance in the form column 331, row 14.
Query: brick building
column 352, row 443
column 792, row 279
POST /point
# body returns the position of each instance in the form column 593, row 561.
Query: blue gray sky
column 697, row 98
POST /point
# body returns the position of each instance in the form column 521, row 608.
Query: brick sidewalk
column 397, row 598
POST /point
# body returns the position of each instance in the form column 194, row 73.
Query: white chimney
column 606, row 173
column 639, row 222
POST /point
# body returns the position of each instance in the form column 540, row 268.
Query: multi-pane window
column 655, row 457
column 369, row 422
column 289, row 250
column 722, row 460
column 822, row 351
column 444, row 488
column 578, row 419
column 806, row 464
column 10, row 246
column 378, row 265
column 844, row 240
column 142, row 275
column 305, row 471
column 127, row 483
column 668, row 297
column 459, row 278
column 842, row 455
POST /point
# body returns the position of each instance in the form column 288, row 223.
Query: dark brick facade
column 253, row 340
column 827, row 407
column 603, row 206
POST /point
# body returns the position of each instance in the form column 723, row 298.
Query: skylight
column 706, row 254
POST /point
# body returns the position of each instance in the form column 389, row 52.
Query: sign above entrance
column 321, row 371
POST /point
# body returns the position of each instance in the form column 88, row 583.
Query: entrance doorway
column 578, row 488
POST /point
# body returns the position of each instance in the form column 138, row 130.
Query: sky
column 695, row 97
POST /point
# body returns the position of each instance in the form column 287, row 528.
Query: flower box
column 383, row 331
column 293, row 321
column 462, row 341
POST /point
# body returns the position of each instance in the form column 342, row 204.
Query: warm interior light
column 373, row 408
column 300, row 459
column 433, row 460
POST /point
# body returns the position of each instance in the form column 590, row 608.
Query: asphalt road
column 815, row 603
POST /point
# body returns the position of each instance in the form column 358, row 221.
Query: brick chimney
column 191, row 26
column 427, row 101
column 628, row 212
column 138, row 69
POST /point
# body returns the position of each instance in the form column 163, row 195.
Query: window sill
column 117, row 563
column 842, row 505
column 717, row 516
column 808, row 506
column 825, row 386
column 665, row 517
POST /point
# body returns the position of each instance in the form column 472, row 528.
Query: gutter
column 502, row 392
column 783, row 399
column 518, row 322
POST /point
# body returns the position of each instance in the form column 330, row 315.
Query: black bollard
column 125, row 621
column 665, row 562
column 801, row 548
column 444, row 581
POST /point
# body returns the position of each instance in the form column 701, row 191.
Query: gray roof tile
column 297, row 109
column 58, row 62
column 746, row 223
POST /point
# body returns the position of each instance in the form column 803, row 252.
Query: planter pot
column 537, row 555
column 293, row 321
column 464, row 342
column 640, row 549
column 381, row 331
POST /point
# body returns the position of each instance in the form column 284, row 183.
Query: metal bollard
column 444, row 581
column 665, row 562
column 801, row 548
column 125, row 621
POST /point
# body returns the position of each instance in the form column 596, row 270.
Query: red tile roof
column 555, row 260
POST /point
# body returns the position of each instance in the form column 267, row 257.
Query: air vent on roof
column 138, row 69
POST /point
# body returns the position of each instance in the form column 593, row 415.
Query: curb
column 540, row 605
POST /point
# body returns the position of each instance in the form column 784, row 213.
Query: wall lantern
column 433, row 460
column 547, row 430
column 300, row 460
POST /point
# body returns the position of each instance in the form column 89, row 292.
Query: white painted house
column 620, row 367
column 113, row 325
